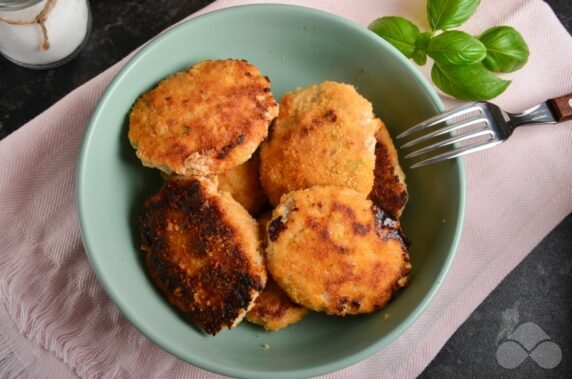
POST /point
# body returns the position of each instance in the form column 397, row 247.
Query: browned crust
column 243, row 184
column 274, row 310
column 323, row 135
column 389, row 190
column 334, row 251
column 205, row 120
column 201, row 250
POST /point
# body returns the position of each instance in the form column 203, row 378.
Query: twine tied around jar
column 40, row 19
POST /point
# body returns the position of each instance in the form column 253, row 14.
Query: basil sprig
column 464, row 66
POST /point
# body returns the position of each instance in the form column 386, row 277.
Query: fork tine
column 457, row 153
column 449, row 128
column 442, row 117
column 449, row 141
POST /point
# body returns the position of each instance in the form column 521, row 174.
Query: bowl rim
column 211, row 365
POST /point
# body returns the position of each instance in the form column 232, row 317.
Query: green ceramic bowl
column 295, row 47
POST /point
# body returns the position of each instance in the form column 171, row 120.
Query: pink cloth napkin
column 56, row 321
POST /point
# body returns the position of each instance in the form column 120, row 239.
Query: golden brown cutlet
column 323, row 135
column 205, row 120
column 202, row 251
column 389, row 190
column 273, row 309
column 243, row 183
column 334, row 251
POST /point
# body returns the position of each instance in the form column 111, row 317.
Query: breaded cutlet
column 273, row 309
column 323, row 135
column 202, row 250
column 205, row 120
column 389, row 190
column 243, row 183
column 334, row 251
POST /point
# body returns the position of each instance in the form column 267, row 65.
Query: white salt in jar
column 43, row 33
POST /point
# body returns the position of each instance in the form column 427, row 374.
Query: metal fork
column 476, row 127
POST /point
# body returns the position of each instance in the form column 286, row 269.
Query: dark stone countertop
column 537, row 291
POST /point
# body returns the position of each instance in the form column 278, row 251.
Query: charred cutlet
column 202, row 251
column 389, row 190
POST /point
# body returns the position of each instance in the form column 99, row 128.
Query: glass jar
column 43, row 33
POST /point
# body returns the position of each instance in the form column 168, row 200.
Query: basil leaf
column 506, row 49
column 447, row 14
column 456, row 48
column 421, row 44
column 470, row 82
column 398, row 31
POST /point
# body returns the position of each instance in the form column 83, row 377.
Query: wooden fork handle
column 562, row 107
